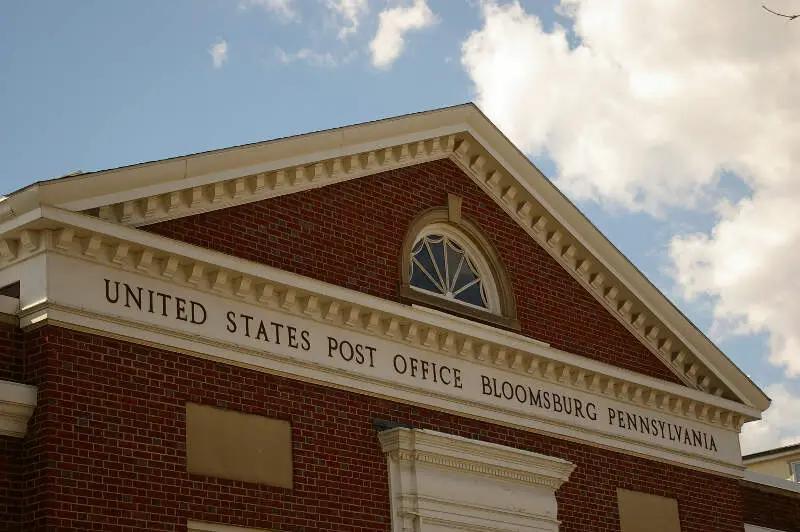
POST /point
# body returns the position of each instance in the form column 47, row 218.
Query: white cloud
column 311, row 57
column 778, row 427
column 350, row 11
column 654, row 101
column 748, row 263
column 283, row 9
column 644, row 105
column 393, row 24
column 219, row 53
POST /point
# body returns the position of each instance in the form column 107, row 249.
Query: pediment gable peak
column 463, row 135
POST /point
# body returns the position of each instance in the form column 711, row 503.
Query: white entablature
column 55, row 231
column 178, row 187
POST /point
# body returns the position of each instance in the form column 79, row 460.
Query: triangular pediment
column 154, row 192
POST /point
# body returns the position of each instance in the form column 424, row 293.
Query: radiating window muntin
column 440, row 265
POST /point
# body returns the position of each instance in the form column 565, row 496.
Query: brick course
column 10, row 483
column 106, row 450
column 11, row 353
column 771, row 510
column 350, row 234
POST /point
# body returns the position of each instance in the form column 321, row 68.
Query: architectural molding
column 473, row 456
column 201, row 526
column 476, row 161
column 75, row 253
column 440, row 480
column 17, row 402
column 127, row 249
column 182, row 186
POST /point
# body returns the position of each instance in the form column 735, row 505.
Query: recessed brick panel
column 107, row 451
column 350, row 234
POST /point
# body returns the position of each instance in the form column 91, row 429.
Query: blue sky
column 97, row 84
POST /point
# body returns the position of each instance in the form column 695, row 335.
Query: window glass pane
column 797, row 472
column 454, row 257
column 472, row 295
column 465, row 276
column 436, row 247
column 420, row 280
column 424, row 264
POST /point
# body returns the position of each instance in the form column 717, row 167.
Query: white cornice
column 486, row 459
column 542, row 222
column 484, row 487
column 17, row 402
column 202, row 526
column 169, row 189
column 128, row 249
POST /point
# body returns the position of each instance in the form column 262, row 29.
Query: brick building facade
column 232, row 341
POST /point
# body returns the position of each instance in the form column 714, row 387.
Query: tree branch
column 790, row 17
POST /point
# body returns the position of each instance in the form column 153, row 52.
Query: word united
column 367, row 357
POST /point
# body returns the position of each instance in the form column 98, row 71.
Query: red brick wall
column 350, row 234
column 106, row 450
column 11, row 354
column 771, row 510
column 11, row 449
column 10, row 483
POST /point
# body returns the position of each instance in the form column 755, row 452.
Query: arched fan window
column 441, row 266
column 448, row 264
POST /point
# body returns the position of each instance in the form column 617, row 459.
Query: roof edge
column 774, row 453
column 189, row 170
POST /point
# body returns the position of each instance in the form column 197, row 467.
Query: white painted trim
column 459, row 453
column 201, row 526
column 602, row 250
column 477, row 146
column 264, row 361
column 754, row 528
column 474, row 324
column 439, row 482
column 17, row 402
column 770, row 481
column 287, row 162
column 348, row 297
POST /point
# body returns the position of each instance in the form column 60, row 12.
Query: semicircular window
column 440, row 266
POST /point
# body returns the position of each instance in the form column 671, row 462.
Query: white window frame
column 475, row 255
column 201, row 526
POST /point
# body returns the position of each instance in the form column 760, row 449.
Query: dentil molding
column 131, row 250
column 469, row 153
